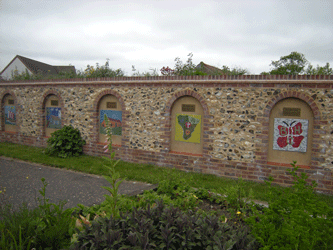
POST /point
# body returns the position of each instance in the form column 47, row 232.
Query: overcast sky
column 151, row 34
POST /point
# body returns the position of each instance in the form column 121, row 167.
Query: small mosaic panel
column 53, row 117
column 111, row 105
column 10, row 101
column 54, row 103
column 115, row 121
column 290, row 134
column 188, row 128
column 291, row 112
column 188, row 107
column 10, row 115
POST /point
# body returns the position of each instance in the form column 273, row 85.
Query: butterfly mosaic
column 290, row 134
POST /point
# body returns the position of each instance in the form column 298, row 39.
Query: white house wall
column 15, row 65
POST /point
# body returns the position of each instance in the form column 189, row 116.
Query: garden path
column 22, row 181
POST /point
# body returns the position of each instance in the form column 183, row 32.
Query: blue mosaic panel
column 115, row 121
column 10, row 115
column 53, row 118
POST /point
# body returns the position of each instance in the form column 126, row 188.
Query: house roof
column 40, row 67
column 208, row 69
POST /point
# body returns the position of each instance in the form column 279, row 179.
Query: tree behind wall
column 295, row 64
column 292, row 64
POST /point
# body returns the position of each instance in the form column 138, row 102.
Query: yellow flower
column 238, row 212
column 27, row 177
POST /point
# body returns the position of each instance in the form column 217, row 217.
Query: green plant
column 16, row 227
column 65, row 142
column 101, row 71
column 237, row 195
column 48, row 226
column 294, row 219
column 178, row 190
column 164, row 227
column 114, row 177
column 54, row 226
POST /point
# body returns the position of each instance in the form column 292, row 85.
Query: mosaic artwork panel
column 10, row 115
column 115, row 121
column 188, row 128
column 53, row 118
column 290, row 134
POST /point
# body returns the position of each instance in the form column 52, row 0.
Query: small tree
column 325, row 70
column 292, row 64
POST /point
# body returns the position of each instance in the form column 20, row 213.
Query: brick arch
column 3, row 95
column 42, row 102
column 167, row 122
column 95, row 114
column 262, row 146
column 182, row 93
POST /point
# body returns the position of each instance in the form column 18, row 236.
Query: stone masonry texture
column 235, row 122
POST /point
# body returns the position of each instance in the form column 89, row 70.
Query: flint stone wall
column 235, row 122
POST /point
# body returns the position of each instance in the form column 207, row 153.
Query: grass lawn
column 132, row 171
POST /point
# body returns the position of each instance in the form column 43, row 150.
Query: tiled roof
column 208, row 69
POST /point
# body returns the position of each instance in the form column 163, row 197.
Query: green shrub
column 65, row 142
column 164, row 227
column 294, row 219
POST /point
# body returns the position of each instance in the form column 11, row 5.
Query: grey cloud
column 148, row 34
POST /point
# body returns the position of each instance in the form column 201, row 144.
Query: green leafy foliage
column 292, row 64
column 164, row 227
column 186, row 69
column 189, row 68
column 319, row 70
column 294, row 219
column 65, row 142
column 48, row 226
column 114, row 177
column 100, row 71
column 233, row 71
column 237, row 196
column 295, row 64
column 20, row 76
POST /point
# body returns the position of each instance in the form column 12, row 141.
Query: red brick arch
column 262, row 145
column 205, row 122
column 3, row 95
column 95, row 114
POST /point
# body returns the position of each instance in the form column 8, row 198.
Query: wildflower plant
column 113, row 177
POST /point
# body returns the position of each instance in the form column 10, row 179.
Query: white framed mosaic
column 290, row 134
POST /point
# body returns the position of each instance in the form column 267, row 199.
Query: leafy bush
column 164, row 227
column 294, row 219
column 65, row 142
